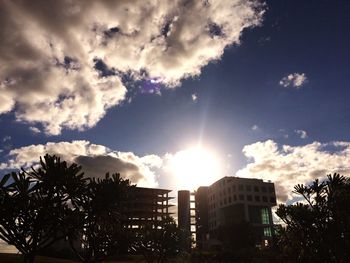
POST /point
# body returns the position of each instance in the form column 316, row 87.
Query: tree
column 34, row 205
column 100, row 231
column 158, row 243
column 318, row 230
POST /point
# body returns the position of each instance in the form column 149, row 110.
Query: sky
column 177, row 94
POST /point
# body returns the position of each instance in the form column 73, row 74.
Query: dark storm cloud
column 97, row 166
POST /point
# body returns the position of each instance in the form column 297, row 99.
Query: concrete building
column 147, row 205
column 144, row 206
column 233, row 200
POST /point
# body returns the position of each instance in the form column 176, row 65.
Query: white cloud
column 51, row 78
column 34, row 129
column 95, row 159
column 296, row 80
column 301, row 133
column 6, row 138
column 255, row 127
column 194, row 97
column 289, row 165
column 150, row 170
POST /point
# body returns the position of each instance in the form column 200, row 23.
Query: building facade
column 234, row 200
column 147, row 205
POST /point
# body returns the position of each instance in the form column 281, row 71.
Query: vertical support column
column 167, row 203
column 184, row 216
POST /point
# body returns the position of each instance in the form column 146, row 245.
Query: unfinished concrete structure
column 147, row 205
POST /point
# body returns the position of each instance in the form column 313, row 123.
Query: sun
column 194, row 167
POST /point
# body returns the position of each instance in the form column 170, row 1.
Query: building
column 233, row 200
column 202, row 219
column 144, row 206
column 147, row 205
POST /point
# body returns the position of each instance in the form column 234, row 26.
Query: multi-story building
column 147, row 205
column 144, row 206
column 233, row 200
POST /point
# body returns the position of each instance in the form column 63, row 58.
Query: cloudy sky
column 131, row 86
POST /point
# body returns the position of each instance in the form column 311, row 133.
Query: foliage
column 318, row 230
column 33, row 205
column 99, row 226
column 158, row 243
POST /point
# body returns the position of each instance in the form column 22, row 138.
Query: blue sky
column 274, row 105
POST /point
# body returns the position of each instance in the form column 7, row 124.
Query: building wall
column 184, row 215
column 235, row 200
column 201, row 208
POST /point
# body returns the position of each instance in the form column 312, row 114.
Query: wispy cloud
column 34, row 129
column 296, row 80
column 6, row 138
column 301, row 133
column 194, row 97
column 255, row 127
column 54, row 75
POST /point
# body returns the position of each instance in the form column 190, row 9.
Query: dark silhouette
column 317, row 230
column 237, row 242
column 158, row 243
column 34, row 205
column 56, row 202
column 99, row 229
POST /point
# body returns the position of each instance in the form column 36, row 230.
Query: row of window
column 241, row 187
column 241, row 197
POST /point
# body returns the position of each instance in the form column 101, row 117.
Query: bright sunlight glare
column 195, row 167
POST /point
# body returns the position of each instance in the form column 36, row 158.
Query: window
column 256, row 189
column 233, row 188
column 234, row 198
column 263, row 189
column 248, row 188
column 225, row 201
column 229, row 189
column 249, row 198
column 272, row 199
column 240, row 187
column 257, row 198
column 265, row 216
column 264, row 199
column 230, row 199
column 267, row 232
column 241, row 197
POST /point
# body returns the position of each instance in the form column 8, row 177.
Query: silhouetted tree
column 34, row 205
column 318, row 230
column 158, row 243
column 101, row 232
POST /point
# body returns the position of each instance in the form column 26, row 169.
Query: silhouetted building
column 202, row 223
column 147, row 205
column 184, row 216
column 233, row 200
column 144, row 206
